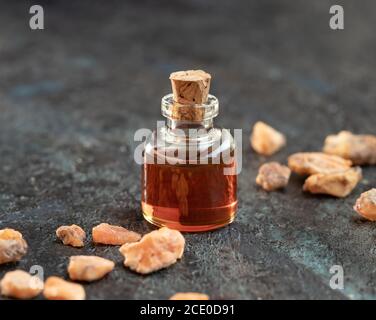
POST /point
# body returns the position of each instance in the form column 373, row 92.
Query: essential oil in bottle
column 189, row 179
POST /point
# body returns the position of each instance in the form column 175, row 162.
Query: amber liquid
column 190, row 197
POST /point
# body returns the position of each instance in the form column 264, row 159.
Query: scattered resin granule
column 156, row 250
column 339, row 184
column 56, row 288
column 113, row 235
column 265, row 140
column 21, row 285
column 366, row 205
column 71, row 235
column 273, row 176
column 189, row 296
column 89, row 268
column 12, row 246
column 359, row 148
column 307, row 163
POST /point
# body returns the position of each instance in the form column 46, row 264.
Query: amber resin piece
column 12, row 246
column 273, row 176
column 21, row 285
column 307, row 163
column 105, row 233
column 366, row 205
column 56, row 288
column 189, row 296
column 71, row 235
column 156, row 250
column 89, row 268
column 265, row 140
column 360, row 149
column 338, row 184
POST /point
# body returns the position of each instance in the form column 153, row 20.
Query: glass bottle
column 189, row 180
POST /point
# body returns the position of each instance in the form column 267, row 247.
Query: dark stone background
column 72, row 96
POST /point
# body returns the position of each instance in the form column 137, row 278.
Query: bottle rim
column 206, row 111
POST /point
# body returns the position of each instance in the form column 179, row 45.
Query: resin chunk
column 56, row 288
column 189, row 296
column 265, row 140
column 360, row 149
column 273, row 176
column 338, row 184
column 366, row 205
column 156, row 250
column 89, row 268
column 307, row 163
column 71, row 235
column 21, row 285
column 113, row 235
column 12, row 246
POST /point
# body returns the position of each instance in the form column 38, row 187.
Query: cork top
column 191, row 86
column 190, row 91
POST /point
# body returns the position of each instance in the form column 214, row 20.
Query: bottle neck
column 185, row 117
column 186, row 125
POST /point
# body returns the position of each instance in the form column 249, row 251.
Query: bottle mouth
column 189, row 112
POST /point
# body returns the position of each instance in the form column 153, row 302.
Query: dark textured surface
column 72, row 96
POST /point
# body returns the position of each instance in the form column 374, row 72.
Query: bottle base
column 169, row 217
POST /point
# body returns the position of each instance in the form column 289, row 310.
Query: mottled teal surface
column 72, row 96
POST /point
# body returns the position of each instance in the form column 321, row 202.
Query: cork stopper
column 190, row 91
column 191, row 86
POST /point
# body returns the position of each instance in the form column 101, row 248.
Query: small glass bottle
column 189, row 180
